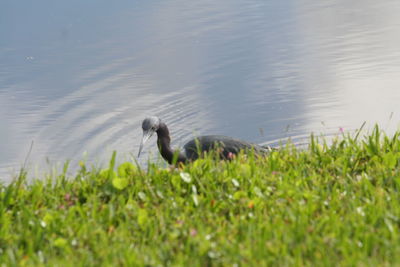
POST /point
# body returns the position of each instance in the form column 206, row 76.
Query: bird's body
column 228, row 146
column 192, row 150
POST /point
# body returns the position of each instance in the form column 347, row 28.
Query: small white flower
column 186, row 177
column 142, row 195
column 235, row 182
column 360, row 211
column 195, row 200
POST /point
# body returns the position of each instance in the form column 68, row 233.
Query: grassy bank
column 336, row 204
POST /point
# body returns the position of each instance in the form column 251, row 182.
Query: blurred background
column 78, row 77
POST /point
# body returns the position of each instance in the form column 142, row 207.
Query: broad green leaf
column 106, row 172
column 126, row 169
column 390, row 160
column 48, row 218
column 120, row 183
column 60, row 242
column 142, row 217
column 245, row 170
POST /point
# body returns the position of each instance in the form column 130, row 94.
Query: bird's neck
column 164, row 145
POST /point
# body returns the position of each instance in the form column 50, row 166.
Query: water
column 77, row 77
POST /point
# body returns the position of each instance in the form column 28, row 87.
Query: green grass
column 328, row 205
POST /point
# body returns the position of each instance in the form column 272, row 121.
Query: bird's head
column 150, row 125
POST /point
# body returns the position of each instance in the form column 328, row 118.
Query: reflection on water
column 73, row 80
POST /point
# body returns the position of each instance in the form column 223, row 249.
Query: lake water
column 78, row 77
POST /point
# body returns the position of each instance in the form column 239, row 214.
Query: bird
column 193, row 149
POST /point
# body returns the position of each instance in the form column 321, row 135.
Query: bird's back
column 226, row 144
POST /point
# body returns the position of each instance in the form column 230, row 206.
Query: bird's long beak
column 146, row 136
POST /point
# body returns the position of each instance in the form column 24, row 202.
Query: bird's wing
column 210, row 142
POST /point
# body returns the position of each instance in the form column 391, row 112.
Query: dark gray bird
column 229, row 146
